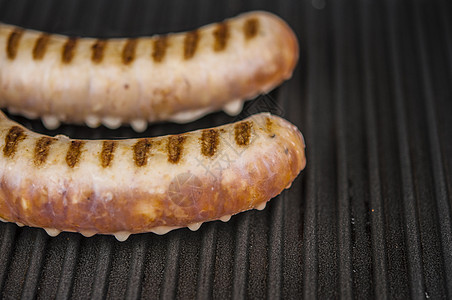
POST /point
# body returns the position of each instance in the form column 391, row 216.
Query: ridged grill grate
column 369, row 217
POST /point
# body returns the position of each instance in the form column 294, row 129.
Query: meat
column 175, row 77
column 145, row 185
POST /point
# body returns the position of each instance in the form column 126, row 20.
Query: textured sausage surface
column 177, row 77
column 145, row 185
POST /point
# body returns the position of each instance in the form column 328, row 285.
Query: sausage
column 155, row 185
column 174, row 77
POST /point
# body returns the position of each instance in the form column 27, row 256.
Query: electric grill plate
column 369, row 217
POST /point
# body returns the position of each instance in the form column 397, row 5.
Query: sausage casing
column 145, row 185
column 177, row 77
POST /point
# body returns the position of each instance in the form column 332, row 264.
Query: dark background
column 369, row 217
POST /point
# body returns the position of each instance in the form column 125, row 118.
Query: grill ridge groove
column 8, row 235
column 16, row 8
column 379, row 251
column 447, row 29
column 171, row 273
column 93, row 16
column 29, row 15
column 135, row 277
column 67, row 273
column 443, row 206
column 35, row 265
column 315, row 68
column 19, row 265
column 3, row 8
column 326, row 179
column 382, row 160
column 344, row 226
column 206, row 262
column 411, row 219
column 275, row 248
column 292, row 218
column 241, row 263
column 104, row 258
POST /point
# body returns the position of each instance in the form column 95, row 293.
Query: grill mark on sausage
column 209, row 142
column 141, row 152
column 221, row 34
column 190, row 44
column 69, row 50
column 98, row 51
column 13, row 43
column 42, row 149
column 251, row 28
column 107, row 154
column 268, row 124
column 242, row 132
column 39, row 50
column 159, row 51
column 74, row 152
column 15, row 135
column 128, row 52
column 175, row 147
column 269, row 127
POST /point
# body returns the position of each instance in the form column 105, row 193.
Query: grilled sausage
column 145, row 185
column 177, row 77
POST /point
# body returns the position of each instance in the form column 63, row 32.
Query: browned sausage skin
column 177, row 77
column 145, row 185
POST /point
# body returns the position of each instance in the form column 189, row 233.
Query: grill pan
column 369, row 217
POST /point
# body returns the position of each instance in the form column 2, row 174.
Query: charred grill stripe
column 69, row 50
column 15, row 135
column 42, row 149
column 251, row 28
column 98, row 51
column 74, row 152
column 39, row 50
column 175, row 147
column 107, row 154
column 160, row 45
column 128, row 52
column 13, row 43
column 242, row 132
column 190, row 44
column 221, row 34
column 269, row 125
column 141, row 152
column 209, row 142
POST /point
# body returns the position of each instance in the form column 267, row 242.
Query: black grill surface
column 369, row 217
